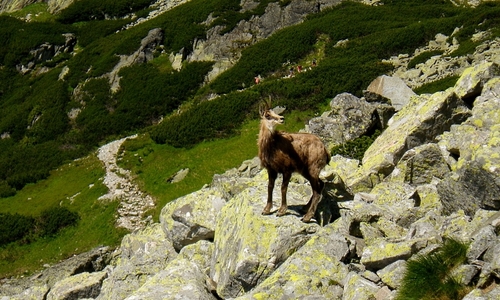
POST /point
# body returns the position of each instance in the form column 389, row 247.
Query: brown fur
column 285, row 153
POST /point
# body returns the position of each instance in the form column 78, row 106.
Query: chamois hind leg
column 317, row 186
column 284, row 188
column 270, row 187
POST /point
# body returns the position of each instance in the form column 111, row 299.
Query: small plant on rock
column 430, row 276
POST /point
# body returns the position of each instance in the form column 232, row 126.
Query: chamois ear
column 279, row 109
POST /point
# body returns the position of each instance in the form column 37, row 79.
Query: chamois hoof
column 266, row 212
column 308, row 219
column 281, row 212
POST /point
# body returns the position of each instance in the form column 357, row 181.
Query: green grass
column 154, row 163
column 76, row 186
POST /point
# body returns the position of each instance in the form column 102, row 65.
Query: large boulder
column 314, row 271
column 419, row 122
column 181, row 279
column 248, row 246
column 192, row 218
column 475, row 181
column 392, row 88
column 141, row 255
column 83, row 285
column 349, row 118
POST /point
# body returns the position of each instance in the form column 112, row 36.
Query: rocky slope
column 431, row 175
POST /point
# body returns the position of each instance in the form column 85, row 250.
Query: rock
column 393, row 274
column 83, row 285
column 142, row 55
column 359, row 288
column 392, row 88
column 248, row 246
column 179, row 176
column 141, row 255
column 421, row 165
column 349, row 118
column 199, row 253
column 382, row 253
column 470, row 84
column 181, row 279
column 91, row 261
column 315, row 270
column 419, row 122
column 37, row 292
column 192, row 218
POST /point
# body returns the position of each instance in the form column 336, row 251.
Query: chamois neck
column 265, row 134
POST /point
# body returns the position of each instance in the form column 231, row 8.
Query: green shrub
column 429, row 276
column 422, row 58
column 87, row 10
column 356, row 148
column 54, row 219
column 14, row 227
column 212, row 119
column 6, row 190
column 436, row 86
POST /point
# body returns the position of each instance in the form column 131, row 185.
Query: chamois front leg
column 270, row 187
column 284, row 188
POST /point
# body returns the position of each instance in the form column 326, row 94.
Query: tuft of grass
column 429, row 276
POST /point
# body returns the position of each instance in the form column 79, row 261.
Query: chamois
column 285, row 153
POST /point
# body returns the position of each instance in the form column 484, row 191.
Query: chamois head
column 271, row 117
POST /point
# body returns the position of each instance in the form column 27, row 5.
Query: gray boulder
column 248, row 246
column 181, row 279
column 191, row 218
column 315, row 271
column 392, row 88
column 349, row 118
column 141, row 255
column 83, row 285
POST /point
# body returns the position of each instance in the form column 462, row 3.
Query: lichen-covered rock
column 199, row 253
column 419, row 122
column 469, row 189
column 248, row 246
column 471, row 82
column 382, row 253
column 181, row 279
column 37, row 292
column 141, row 255
column 316, row 270
column 191, row 218
column 393, row 274
column 350, row 117
column 83, row 285
column 421, row 165
column 359, row 288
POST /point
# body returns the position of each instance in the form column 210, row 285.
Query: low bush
column 212, row 119
column 430, row 276
column 54, row 219
column 356, row 148
column 422, row 58
column 14, row 227
column 86, row 10
column 436, row 86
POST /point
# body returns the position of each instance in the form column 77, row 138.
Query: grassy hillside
column 37, row 155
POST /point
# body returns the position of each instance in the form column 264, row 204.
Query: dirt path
column 133, row 202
